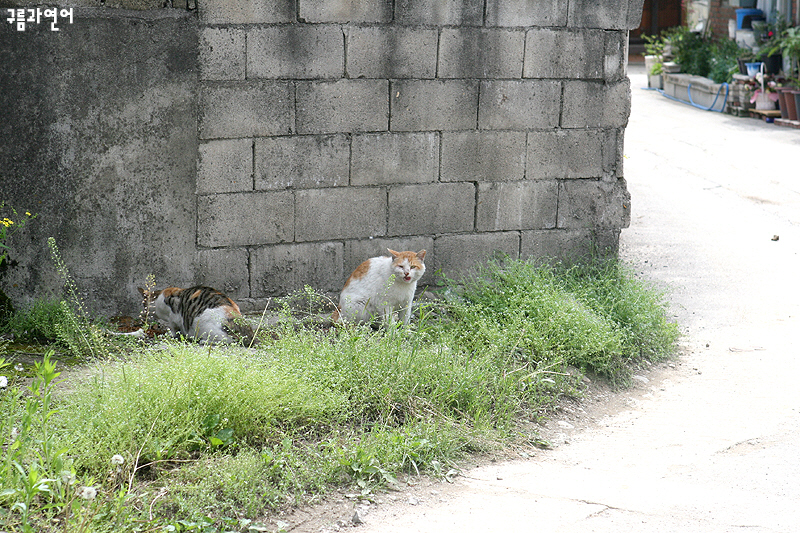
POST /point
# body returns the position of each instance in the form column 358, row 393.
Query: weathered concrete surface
column 187, row 145
column 709, row 446
column 99, row 137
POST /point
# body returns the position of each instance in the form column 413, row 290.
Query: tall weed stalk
column 76, row 329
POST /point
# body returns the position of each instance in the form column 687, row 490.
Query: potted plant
column 786, row 43
column 654, row 60
column 766, row 36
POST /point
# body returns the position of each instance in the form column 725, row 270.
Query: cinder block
column 526, row 13
column 481, row 53
column 342, row 106
column 635, row 8
column 568, row 246
column 356, row 252
column 588, row 204
column 386, row 158
column 431, row 208
column 225, row 269
column 340, row 213
column 246, row 12
column 564, row 154
column 225, row 166
column 419, row 105
column 613, row 153
column 615, row 62
column 300, row 52
column 556, row 53
column 519, row 104
column 439, row 12
column 246, row 109
column 603, row 14
column 483, row 156
column 284, row 268
column 243, row 219
column 302, row 162
column 517, row 205
column 391, row 52
column 222, row 54
column 590, row 104
column 457, row 255
column 355, row 11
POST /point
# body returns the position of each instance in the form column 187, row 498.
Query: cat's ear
column 421, row 254
column 395, row 254
column 147, row 294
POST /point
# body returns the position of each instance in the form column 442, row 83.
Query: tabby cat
column 202, row 313
column 380, row 287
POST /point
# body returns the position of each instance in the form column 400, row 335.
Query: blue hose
column 691, row 102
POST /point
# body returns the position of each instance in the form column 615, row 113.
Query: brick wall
column 720, row 12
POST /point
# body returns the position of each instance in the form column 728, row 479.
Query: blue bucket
column 752, row 69
column 745, row 18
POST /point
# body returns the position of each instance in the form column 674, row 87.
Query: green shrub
column 723, row 63
column 703, row 56
column 37, row 324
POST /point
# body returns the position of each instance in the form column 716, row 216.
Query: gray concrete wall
column 98, row 135
column 261, row 145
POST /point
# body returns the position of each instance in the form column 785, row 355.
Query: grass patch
column 38, row 323
column 164, row 405
column 187, row 436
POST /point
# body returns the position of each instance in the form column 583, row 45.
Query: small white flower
column 117, row 460
column 87, row 493
column 19, row 368
column 3, row 382
column 14, row 433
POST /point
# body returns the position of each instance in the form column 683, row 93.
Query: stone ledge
column 704, row 92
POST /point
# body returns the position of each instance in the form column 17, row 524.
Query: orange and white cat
column 202, row 313
column 380, row 287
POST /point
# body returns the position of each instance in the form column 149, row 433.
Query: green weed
column 39, row 323
column 162, row 406
column 76, row 330
column 177, row 433
column 38, row 482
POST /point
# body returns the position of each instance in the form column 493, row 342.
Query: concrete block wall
column 261, row 145
column 330, row 130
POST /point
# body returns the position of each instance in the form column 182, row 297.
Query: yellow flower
column 27, row 213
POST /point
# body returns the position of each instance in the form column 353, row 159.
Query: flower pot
column 796, row 95
column 655, row 81
column 791, row 106
column 742, row 66
column 782, row 101
column 773, row 63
